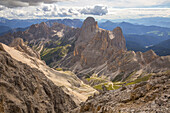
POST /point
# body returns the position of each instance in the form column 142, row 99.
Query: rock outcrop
column 96, row 55
column 19, row 44
column 27, row 90
column 95, row 46
column 145, row 97
column 68, row 81
column 102, row 52
column 89, row 50
column 52, row 43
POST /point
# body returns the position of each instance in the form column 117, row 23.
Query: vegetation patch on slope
column 98, row 83
column 138, row 80
column 59, row 52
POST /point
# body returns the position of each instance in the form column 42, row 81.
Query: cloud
column 25, row 3
column 165, row 4
column 46, row 8
column 2, row 7
column 56, row 11
column 96, row 10
column 117, row 3
column 132, row 13
column 82, row 3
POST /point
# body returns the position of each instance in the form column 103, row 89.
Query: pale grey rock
column 27, row 90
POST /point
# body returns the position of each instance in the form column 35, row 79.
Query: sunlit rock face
column 24, row 89
column 86, row 51
column 102, row 52
column 95, row 46
column 43, row 38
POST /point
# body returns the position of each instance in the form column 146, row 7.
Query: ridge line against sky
column 100, row 9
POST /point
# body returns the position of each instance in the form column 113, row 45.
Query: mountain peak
column 120, row 40
column 43, row 24
column 90, row 22
column 95, row 45
column 117, row 29
column 108, row 22
column 88, row 30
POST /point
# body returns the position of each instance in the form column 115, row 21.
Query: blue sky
column 100, row 9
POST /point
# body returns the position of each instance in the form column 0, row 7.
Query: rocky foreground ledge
column 27, row 90
column 152, row 96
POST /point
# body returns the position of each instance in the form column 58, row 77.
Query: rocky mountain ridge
column 103, row 53
column 24, row 89
column 89, row 51
column 52, row 43
column 67, row 80
column 99, row 57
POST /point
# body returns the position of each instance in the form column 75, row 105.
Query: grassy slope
column 48, row 53
column 115, row 85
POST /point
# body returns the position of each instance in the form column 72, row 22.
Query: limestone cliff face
column 119, row 41
column 87, row 32
column 87, row 50
column 102, row 40
column 27, row 90
column 95, row 46
column 101, row 47
column 68, row 81
column 103, row 52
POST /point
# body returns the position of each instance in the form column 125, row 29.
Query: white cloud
column 111, row 3
column 105, row 9
column 116, row 3
column 130, row 13
column 25, row 3
column 2, row 7
column 96, row 10
column 46, row 8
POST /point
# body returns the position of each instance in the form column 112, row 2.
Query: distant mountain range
column 17, row 23
column 87, row 50
column 157, row 21
column 129, row 28
column 150, row 21
column 4, row 29
column 138, row 37
column 86, row 63
column 162, row 48
column 76, row 23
